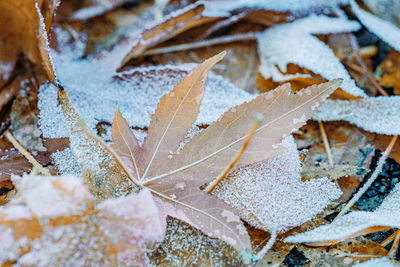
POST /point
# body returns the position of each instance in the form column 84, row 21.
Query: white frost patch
column 381, row 262
column 97, row 98
column 293, row 43
column 66, row 163
column 374, row 114
column 270, row 194
column 387, row 214
column 385, row 30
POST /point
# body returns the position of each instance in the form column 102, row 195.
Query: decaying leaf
column 390, row 69
column 55, row 221
column 375, row 114
column 293, row 43
column 101, row 170
column 356, row 223
column 25, row 28
column 176, row 177
column 384, row 29
column 93, row 8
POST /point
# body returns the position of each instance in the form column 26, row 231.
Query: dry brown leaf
column 171, row 27
column 25, row 26
column 390, row 69
column 54, row 221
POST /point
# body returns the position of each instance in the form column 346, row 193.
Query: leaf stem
column 24, row 152
column 326, row 143
column 257, row 121
column 266, row 248
column 395, row 245
column 370, row 180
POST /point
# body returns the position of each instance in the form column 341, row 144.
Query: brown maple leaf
column 175, row 177
column 25, row 27
column 53, row 221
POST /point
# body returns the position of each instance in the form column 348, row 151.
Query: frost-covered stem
column 24, row 152
column 266, row 248
column 395, row 245
column 257, row 122
column 222, row 24
column 371, row 179
column 326, row 143
column 370, row 76
column 205, row 43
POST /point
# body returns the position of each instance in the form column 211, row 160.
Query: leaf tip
column 221, row 55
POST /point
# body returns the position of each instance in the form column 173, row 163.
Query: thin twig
column 205, row 43
column 256, row 123
column 24, row 152
column 266, row 248
column 389, row 239
column 370, row 76
column 395, row 245
column 326, row 143
column 370, row 180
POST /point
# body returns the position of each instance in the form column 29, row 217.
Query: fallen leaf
column 293, row 43
column 93, row 8
column 178, row 183
column 382, row 262
column 25, row 29
column 172, row 25
column 354, row 224
column 375, row 114
column 55, row 221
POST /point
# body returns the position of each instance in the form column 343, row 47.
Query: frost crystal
column 374, row 114
column 222, row 8
column 387, row 214
column 53, row 221
column 270, row 194
column 293, row 43
column 136, row 97
column 383, row 29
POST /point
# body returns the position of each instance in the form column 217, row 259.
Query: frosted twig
column 370, row 76
column 389, row 239
column 24, row 152
column 395, row 245
column 205, row 43
column 266, row 248
column 222, row 24
column 370, row 180
column 326, row 143
column 257, row 120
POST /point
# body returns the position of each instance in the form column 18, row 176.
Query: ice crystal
column 381, row 262
column 374, row 114
column 271, row 195
column 293, row 43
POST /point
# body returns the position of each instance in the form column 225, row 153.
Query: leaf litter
column 120, row 167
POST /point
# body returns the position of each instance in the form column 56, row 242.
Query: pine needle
column 326, row 143
column 24, row 152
